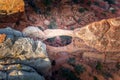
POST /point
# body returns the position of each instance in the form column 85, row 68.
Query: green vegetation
column 104, row 14
column 98, row 66
column 118, row 65
column 113, row 11
column 79, row 20
column 68, row 74
column 110, row 1
column 71, row 61
column 81, row 10
column 79, row 69
column 75, row 1
column 95, row 78
column 89, row 3
column 47, row 2
column 96, row 3
column 107, row 74
column 81, row 1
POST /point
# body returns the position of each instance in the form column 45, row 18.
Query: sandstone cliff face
column 103, row 35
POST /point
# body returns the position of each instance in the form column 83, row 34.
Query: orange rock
column 11, row 6
column 2, row 37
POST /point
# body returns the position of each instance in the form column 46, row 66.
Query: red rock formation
column 103, row 35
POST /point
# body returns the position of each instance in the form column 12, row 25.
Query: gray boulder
column 11, row 33
column 28, row 53
column 19, row 72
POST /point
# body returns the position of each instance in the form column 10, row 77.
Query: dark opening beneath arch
column 58, row 41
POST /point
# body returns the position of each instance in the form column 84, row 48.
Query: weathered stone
column 19, row 49
column 98, row 37
column 2, row 37
column 28, row 52
column 19, row 72
column 34, row 32
column 102, row 35
column 11, row 11
column 11, row 33
column 3, row 75
column 10, row 7
column 113, row 57
column 94, row 56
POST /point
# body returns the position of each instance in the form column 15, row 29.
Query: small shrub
column 71, row 61
column 110, row 1
column 81, row 10
column 104, row 14
column 79, row 20
column 98, row 66
column 118, row 65
column 89, row 3
column 96, row 3
column 95, row 78
column 53, row 62
column 107, row 74
column 68, row 74
column 79, row 69
column 75, row 1
column 34, row 6
column 47, row 2
column 113, row 11
column 81, row 1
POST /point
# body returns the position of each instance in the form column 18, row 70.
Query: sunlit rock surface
column 100, row 38
column 2, row 37
column 103, row 35
column 29, row 54
column 11, row 7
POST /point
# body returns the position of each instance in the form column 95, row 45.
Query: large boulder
column 103, row 35
column 19, row 49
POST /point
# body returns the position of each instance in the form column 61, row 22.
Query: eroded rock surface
column 2, row 37
column 22, row 57
column 103, row 35
column 100, row 38
column 10, row 7
column 19, row 72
